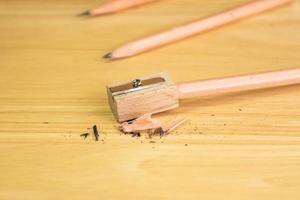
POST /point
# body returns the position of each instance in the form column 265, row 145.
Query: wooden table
column 240, row 146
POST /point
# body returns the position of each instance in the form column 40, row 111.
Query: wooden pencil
column 238, row 83
column 181, row 32
column 115, row 6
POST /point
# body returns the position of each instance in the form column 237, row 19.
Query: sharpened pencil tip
column 108, row 56
column 85, row 13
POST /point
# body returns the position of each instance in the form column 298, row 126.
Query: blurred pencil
column 181, row 32
column 115, row 6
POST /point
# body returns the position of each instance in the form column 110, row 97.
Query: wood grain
column 241, row 146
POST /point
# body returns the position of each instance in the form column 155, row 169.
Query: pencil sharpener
column 149, row 94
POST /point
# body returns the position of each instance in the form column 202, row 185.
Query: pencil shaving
column 143, row 123
column 173, row 125
column 147, row 123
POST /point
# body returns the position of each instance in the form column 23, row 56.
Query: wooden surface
column 242, row 146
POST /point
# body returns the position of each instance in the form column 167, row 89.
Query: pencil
column 115, row 6
column 182, row 32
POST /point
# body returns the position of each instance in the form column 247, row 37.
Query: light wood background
column 52, row 89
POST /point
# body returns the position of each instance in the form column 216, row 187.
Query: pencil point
column 84, row 13
column 108, row 56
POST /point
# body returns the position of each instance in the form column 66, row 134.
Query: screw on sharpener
column 136, row 83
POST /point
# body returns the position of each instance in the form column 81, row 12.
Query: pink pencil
column 182, row 32
column 115, row 6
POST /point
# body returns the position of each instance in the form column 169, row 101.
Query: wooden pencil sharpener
column 149, row 94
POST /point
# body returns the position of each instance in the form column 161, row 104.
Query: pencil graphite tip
column 85, row 13
column 108, row 56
